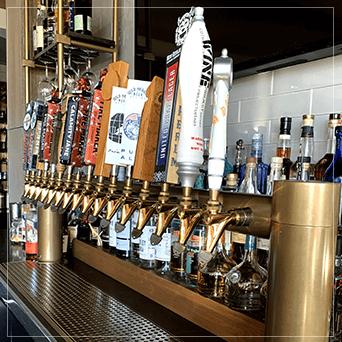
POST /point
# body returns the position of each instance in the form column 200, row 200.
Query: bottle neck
column 331, row 139
column 307, row 144
column 256, row 151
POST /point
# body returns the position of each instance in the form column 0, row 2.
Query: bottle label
column 163, row 249
column 146, row 250
column 34, row 38
column 263, row 244
column 40, row 37
column 89, row 24
column 31, row 245
column 79, row 22
column 112, row 232
column 122, row 244
column 65, row 243
column 126, row 233
column 250, row 243
column 238, row 237
column 72, row 230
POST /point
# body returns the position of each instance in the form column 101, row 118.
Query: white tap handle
column 195, row 69
column 218, row 138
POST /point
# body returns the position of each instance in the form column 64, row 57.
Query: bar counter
column 131, row 309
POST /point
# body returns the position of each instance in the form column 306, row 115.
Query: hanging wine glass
column 66, row 79
column 45, row 86
column 74, row 75
column 88, row 73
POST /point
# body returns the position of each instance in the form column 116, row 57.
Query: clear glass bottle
column 123, row 240
column 261, row 167
column 194, row 244
column 147, row 252
column 232, row 182
column 211, row 277
column 322, row 165
column 202, row 180
column 240, row 146
column 276, row 173
column 306, row 146
column 31, row 244
column 163, row 253
column 244, row 281
column 178, row 261
column 249, row 183
column 303, row 168
column 135, row 242
column 284, row 144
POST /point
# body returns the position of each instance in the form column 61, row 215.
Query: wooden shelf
column 206, row 313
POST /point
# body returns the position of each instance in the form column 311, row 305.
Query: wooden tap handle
column 117, row 76
column 145, row 157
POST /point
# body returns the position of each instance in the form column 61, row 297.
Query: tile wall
column 102, row 26
column 257, row 102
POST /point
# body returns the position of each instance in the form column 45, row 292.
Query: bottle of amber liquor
column 323, row 164
column 284, row 144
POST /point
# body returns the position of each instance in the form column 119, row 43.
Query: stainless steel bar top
column 76, row 309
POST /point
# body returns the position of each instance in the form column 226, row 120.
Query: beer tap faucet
column 50, row 185
column 44, row 183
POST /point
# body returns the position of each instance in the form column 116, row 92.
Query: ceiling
column 254, row 34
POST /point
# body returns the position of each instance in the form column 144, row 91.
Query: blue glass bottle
column 262, row 168
column 334, row 170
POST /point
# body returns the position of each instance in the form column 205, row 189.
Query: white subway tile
column 327, row 100
column 269, row 151
column 233, row 112
column 271, row 107
column 251, row 87
column 314, row 74
column 245, row 131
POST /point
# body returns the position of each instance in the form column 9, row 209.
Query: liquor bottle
column 104, row 236
column 112, row 234
column 178, row 261
column 284, row 144
column 227, row 167
column 195, row 243
column 65, row 242
column 202, row 180
column 123, row 240
column 303, row 170
column 261, row 168
column 322, row 165
column 31, row 244
column 244, row 281
column 240, row 146
column 44, row 8
column 135, row 242
column 147, row 252
column 83, row 231
column 71, row 15
column 232, row 182
column 249, row 183
column 40, row 27
column 72, row 229
column 276, row 173
column 211, row 277
column 334, row 170
column 163, row 253
column 34, row 39
column 306, row 146
column 83, row 15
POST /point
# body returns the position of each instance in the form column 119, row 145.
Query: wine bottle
column 83, row 16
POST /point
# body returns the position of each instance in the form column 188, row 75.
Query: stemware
column 88, row 73
column 45, row 85
column 74, row 75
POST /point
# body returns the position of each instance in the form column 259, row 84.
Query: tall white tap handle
column 222, row 73
column 195, row 69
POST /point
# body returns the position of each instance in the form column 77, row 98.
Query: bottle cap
column 334, row 116
column 308, row 119
column 231, row 176
column 304, row 159
column 285, row 125
column 277, row 160
column 257, row 136
column 250, row 160
column 199, row 12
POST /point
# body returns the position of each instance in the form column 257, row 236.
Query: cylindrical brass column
column 49, row 235
column 301, row 265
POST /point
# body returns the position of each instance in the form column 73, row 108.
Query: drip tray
column 76, row 309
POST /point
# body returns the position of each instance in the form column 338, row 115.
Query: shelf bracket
column 61, row 38
column 28, row 63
